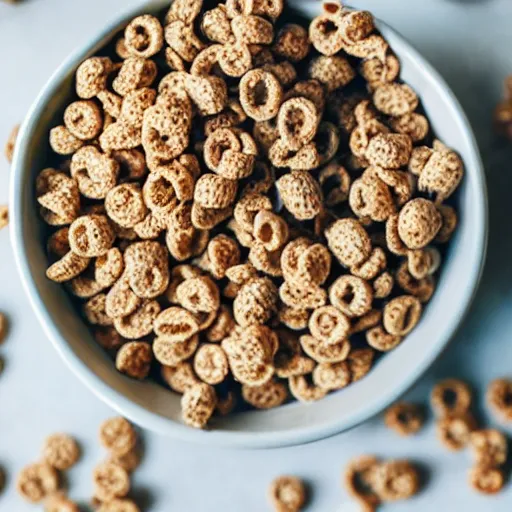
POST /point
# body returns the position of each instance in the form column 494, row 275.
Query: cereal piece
column 395, row 99
column 182, row 39
column 209, row 94
column 329, row 325
column 135, row 103
column 95, row 173
column 418, row 223
column 358, row 482
column 255, row 302
column 301, row 194
column 59, row 503
column 303, row 390
column 499, row 398
column 250, row 29
column 297, row 122
column 349, row 242
column 134, row 359
column 198, row 294
column 362, row 135
column 423, row 262
column 325, row 33
column 211, row 364
column 486, row 480
column 95, row 310
column 413, row 125
column 378, row 72
column 267, row 396
column 110, row 481
column 11, row 143
column 401, row 315
column 450, row 397
column 291, row 43
column 269, row 8
column 422, row 289
column 454, row 431
column 208, row 218
column 135, row 73
column 404, row 418
column 287, row 494
column 222, row 326
column 144, row 36
column 171, row 353
column 124, row 205
column 360, row 361
column 305, row 159
column 63, row 142
column 68, row 267
column 300, row 296
column 366, row 322
column 179, row 377
column 294, row 318
column 120, row 300
column 389, row 150
column 489, row 447
column 335, row 182
column 176, row 324
column 373, row 46
column 139, row 323
column 322, row 352
column 248, row 207
column 83, row 119
column 213, row 191
column 235, row 59
column 332, row 376
column 111, row 103
column 222, row 253
column 333, row 72
column 129, row 461
column 265, row 261
column 351, row 295
column 119, row 505
column 216, row 25
column 37, row 481
column 109, row 267
column 395, row 480
column 108, row 338
column 232, row 115
column 198, row 404
column 120, row 135
column 61, row 451
column 380, row 340
column 449, row 223
column 184, row 10
column 260, row 94
column 92, row 76
column 270, row 230
column 90, row 236
column 370, row 269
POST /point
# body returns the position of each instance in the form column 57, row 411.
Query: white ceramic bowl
column 155, row 408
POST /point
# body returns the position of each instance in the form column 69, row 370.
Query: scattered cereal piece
column 404, row 418
column 37, row 481
column 61, row 451
column 454, row 431
column 486, row 480
column 287, row 494
column 489, row 447
column 499, row 398
column 450, row 396
column 118, row 436
column 11, row 143
column 110, row 481
column 198, row 404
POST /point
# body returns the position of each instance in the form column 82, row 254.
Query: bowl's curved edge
column 153, row 421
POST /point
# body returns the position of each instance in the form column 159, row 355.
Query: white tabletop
column 469, row 41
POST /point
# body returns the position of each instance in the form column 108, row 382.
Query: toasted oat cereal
column 357, row 481
column 117, row 435
column 110, row 481
column 486, row 480
column 129, row 461
column 454, row 431
column 499, row 398
column 450, row 396
column 395, row 480
column 287, row 494
column 11, row 143
column 268, row 395
column 61, row 451
column 198, row 404
column 36, row 482
column 489, row 447
column 211, row 364
column 404, row 418
column 134, row 359
column 179, row 377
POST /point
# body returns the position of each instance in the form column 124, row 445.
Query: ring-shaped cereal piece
column 381, row 340
column 329, row 324
column 144, row 36
column 91, row 236
column 176, row 324
column 451, row 396
column 211, row 364
column 332, row 376
column 124, row 205
column 401, row 315
column 297, row 122
column 351, row 295
column 83, row 119
column 260, row 94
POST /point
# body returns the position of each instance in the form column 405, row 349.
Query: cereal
column 499, row 398
column 247, row 203
column 110, row 481
column 37, row 481
column 454, row 431
column 11, row 143
column 287, row 494
column 134, row 359
column 357, row 481
column 117, row 435
column 489, row 447
column 198, row 404
column 450, row 396
column 486, row 480
column 61, row 451
column 404, row 418
column 395, row 480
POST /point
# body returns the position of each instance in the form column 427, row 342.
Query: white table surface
column 470, row 42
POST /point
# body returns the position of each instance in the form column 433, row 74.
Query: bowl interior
column 156, row 408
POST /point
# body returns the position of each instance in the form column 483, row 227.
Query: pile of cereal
column 246, row 207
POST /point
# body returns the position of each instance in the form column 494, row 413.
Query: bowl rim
column 153, row 421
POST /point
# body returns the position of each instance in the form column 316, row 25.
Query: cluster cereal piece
column 246, row 207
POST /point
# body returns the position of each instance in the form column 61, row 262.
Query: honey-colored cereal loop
column 326, row 141
column 325, row 34
column 287, row 494
column 329, row 325
column 270, row 230
column 450, row 396
column 135, row 103
column 95, row 310
column 63, row 142
column 170, row 353
column 139, row 323
column 37, row 481
column 389, row 150
column 420, row 288
column 378, row 72
column 366, row 322
column 108, row 338
column 235, row 59
column 299, row 296
column 499, row 398
column 198, row 294
column 109, row 267
column 68, row 267
column 61, row 451
column 360, row 362
column 370, row 198
column 92, row 75
column 134, row 359
column 267, row 396
column 213, row 191
column 297, row 122
column 349, row 242
column 179, row 377
column 248, row 207
column 90, row 236
column 486, row 480
column 373, row 46
column 380, row 340
column 120, row 300
column 251, row 29
column 125, row 206
column 294, row 318
column 260, row 94
column 351, row 295
column 304, row 390
column 423, row 262
column 332, row 376
column 395, row 99
column 222, row 325
column 335, row 182
column 370, row 269
column 418, row 223
column 84, row 287
column 489, row 447
column 449, row 223
column 333, row 72
column 135, row 73
column 216, row 25
column 184, row 10
column 401, row 315
column 395, row 480
column 110, row 481
column 414, row 125
column 305, row 159
column 454, row 431
column 176, row 324
column 255, row 302
column 404, row 418
column 301, row 194
column 198, row 404
column 111, row 103
column 358, row 483
column 222, row 253
column 291, row 43
column 83, row 119
column 211, row 364
column 144, row 36
column 323, row 352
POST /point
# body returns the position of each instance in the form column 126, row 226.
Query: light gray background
column 470, row 44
